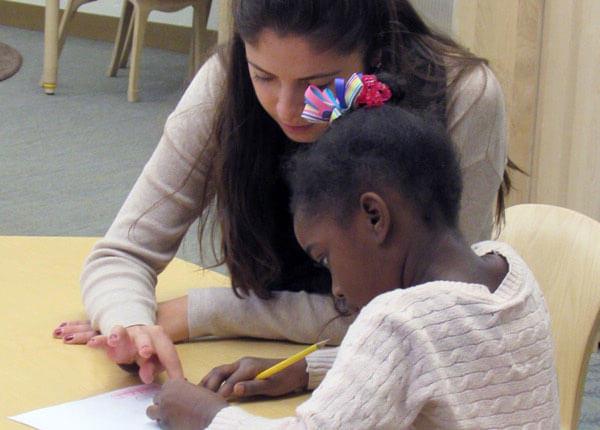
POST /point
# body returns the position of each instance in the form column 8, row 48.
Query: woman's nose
column 290, row 104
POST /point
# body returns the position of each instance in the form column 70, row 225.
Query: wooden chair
column 130, row 35
column 562, row 247
column 131, row 29
column 67, row 17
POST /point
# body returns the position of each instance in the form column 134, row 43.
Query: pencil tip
column 322, row 343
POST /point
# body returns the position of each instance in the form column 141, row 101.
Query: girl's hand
column 181, row 405
column 75, row 332
column 148, row 346
column 236, row 380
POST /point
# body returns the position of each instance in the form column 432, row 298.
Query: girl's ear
column 377, row 214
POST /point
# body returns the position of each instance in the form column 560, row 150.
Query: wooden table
column 39, row 288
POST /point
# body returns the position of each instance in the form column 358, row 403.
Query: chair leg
column 139, row 27
column 128, row 41
column 121, row 38
column 200, row 20
column 67, row 17
column 193, row 41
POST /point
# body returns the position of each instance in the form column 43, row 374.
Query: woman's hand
column 75, row 332
column 150, row 347
column 236, row 380
column 181, row 405
column 171, row 315
column 147, row 346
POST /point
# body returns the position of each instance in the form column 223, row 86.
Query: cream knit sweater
column 120, row 274
column 441, row 355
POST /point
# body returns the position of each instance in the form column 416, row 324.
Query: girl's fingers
column 79, row 338
column 216, row 377
column 152, row 412
column 242, row 373
column 277, row 385
column 253, row 388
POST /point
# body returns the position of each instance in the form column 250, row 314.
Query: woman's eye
column 263, row 78
column 323, row 86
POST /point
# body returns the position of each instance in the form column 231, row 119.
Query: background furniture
column 50, row 72
column 130, row 35
column 67, row 16
column 562, row 247
column 40, row 288
column 129, row 38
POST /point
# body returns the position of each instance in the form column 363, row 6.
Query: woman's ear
column 377, row 214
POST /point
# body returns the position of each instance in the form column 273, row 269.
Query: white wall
column 113, row 8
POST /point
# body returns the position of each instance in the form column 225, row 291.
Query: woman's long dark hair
column 257, row 241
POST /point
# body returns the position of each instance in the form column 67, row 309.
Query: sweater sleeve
column 296, row 316
column 120, row 274
column 318, row 364
column 367, row 388
column 477, row 126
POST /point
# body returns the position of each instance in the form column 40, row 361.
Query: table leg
column 50, row 47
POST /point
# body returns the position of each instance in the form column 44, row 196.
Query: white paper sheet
column 116, row 410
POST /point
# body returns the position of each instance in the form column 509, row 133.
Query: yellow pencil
column 290, row 360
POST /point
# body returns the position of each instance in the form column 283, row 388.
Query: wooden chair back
column 562, row 248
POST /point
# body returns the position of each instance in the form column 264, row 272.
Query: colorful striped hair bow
column 325, row 106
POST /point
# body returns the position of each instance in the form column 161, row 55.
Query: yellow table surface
column 39, row 288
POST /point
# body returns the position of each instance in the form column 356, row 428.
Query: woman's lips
column 296, row 128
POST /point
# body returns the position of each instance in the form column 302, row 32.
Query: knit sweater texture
column 120, row 274
column 441, row 355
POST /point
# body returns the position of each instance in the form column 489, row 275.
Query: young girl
column 448, row 336
column 224, row 143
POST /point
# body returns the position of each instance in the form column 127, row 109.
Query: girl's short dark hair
column 372, row 149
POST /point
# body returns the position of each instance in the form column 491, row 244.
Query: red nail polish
column 57, row 332
column 69, row 338
column 62, row 324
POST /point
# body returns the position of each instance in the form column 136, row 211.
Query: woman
column 226, row 140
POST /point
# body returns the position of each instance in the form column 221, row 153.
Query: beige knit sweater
column 120, row 274
column 441, row 355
